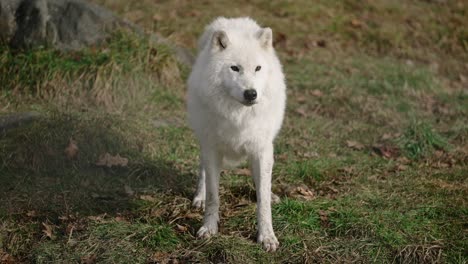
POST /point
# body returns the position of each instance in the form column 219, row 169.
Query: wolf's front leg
column 262, row 165
column 199, row 199
column 211, row 161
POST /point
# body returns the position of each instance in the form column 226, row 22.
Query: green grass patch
column 150, row 236
column 227, row 249
column 33, row 68
column 420, row 140
column 296, row 215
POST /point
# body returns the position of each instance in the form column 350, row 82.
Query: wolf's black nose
column 250, row 95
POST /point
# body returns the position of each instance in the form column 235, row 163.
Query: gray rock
column 64, row 24
column 7, row 19
column 183, row 55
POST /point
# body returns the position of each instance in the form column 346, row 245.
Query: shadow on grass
column 38, row 178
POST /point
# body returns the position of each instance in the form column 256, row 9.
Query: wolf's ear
column 220, row 40
column 265, row 36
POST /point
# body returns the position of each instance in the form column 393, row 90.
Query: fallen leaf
column 401, row 167
column 354, row 145
column 387, row 136
column 148, row 198
column 157, row 212
column 6, row 258
column 308, row 45
column 403, row 160
column 462, row 78
column 243, row 172
column 275, row 199
column 108, row 160
column 97, row 218
column 31, row 213
column 301, row 99
column 302, row 192
column 194, row 13
column 310, row 154
column 356, row 23
column 321, row 43
column 120, row 219
column 197, row 216
column 48, row 230
column 71, row 150
column 332, row 189
column 317, row 93
column 282, row 157
column 324, row 221
column 305, row 192
column 440, row 165
column 181, row 228
column 160, row 257
column 301, row 111
column 386, row 151
column 90, row 259
column 280, row 40
column 157, row 17
column 242, row 202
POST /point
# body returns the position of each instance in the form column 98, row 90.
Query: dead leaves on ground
column 354, row 145
column 71, row 151
column 163, row 258
column 442, row 159
column 181, row 228
column 105, row 160
column 324, row 221
column 48, row 230
column 89, row 259
column 386, row 151
column 148, row 198
column 301, row 192
column 356, row 23
column 303, row 109
column 243, row 172
column 424, row 253
column 6, row 258
column 284, row 43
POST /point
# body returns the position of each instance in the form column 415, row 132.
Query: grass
column 370, row 164
column 419, row 139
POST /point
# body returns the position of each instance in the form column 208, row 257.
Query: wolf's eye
column 258, row 68
column 235, row 68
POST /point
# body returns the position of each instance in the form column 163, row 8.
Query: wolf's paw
column 269, row 242
column 207, row 231
column 198, row 202
column 275, row 198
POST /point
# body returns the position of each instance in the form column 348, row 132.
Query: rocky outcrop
column 63, row 24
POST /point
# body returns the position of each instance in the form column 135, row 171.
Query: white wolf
column 236, row 100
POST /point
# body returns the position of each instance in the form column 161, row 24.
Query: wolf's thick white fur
column 236, row 55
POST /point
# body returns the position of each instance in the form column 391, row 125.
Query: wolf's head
column 242, row 63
